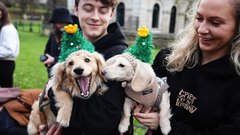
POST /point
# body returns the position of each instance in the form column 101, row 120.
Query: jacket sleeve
column 48, row 45
column 159, row 63
column 49, row 49
column 9, row 45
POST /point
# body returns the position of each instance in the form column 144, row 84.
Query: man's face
column 94, row 18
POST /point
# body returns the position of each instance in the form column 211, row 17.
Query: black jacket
column 100, row 115
column 52, row 48
column 205, row 99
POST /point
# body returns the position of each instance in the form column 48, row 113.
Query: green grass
column 25, row 26
column 30, row 72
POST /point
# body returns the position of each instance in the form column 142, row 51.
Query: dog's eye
column 70, row 63
column 87, row 60
column 121, row 65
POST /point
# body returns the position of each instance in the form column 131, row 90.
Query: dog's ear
column 111, row 60
column 100, row 61
column 144, row 74
column 58, row 72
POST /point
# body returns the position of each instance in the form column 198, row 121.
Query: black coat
column 52, row 48
column 204, row 99
column 100, row 115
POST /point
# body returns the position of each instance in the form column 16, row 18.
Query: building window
column 120, row 14
column 155, row 16
column 173, row 20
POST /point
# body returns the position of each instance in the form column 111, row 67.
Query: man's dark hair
column 110, row 3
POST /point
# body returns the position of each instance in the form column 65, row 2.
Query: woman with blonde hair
column 202, row 67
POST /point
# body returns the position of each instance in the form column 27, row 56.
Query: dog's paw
column 166, row 129
column 122, row 129
column 124, row 84
column 63, row 120
column 32, row 129
column 123, row 126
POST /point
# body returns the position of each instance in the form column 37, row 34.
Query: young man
column 99, row 115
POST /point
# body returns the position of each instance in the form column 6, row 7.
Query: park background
column 30, row 17
column 30, row 73
column 164, row 18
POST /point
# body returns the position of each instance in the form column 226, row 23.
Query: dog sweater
column 152, row 96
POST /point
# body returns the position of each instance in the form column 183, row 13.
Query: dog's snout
column 103, row 72
column 78, row 71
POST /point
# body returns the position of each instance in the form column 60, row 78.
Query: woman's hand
column 49, row 61
column 55, row 129
column 148, row 118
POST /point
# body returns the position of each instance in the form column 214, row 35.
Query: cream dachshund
column 141, row 86
column 80, row 76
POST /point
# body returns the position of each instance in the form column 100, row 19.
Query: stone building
column 164, row 18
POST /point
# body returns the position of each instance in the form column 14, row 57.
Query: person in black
column 203, row 71
column 99, row 115
column 61, row 17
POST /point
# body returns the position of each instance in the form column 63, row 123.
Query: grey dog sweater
column 152, row 96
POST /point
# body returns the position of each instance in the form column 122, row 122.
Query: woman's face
column 94, row 18
column 215, row 25
column 59, row 25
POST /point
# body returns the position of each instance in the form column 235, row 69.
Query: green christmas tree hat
column 142, row 47
column 72, row 41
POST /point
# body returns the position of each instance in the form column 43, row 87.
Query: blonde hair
column 185, row 49
column 235, row 51
column 235, row 54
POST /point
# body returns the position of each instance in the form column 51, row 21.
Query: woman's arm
column 9, row 45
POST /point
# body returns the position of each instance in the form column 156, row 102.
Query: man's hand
column 55, row 129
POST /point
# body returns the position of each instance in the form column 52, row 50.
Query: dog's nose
column 78, row 71
column 103, row 72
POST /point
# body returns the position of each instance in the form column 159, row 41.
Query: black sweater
column 100, row 115
column 205, row 100
column 52, row 48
